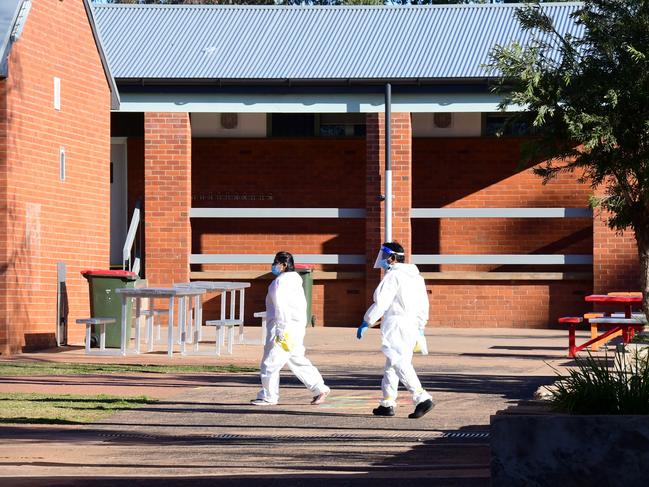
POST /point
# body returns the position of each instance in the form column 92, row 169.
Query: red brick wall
column 280, row 173
column 401, row 155
column 486, row 172
column 289, row 173
column 292, row 173
column 616, row 265
column 457, row 172
column 167, row 192
column 518, row 304
column 52, row 221
column 4, row 331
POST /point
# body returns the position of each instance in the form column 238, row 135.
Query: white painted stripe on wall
column 268, row 258
column 504, row 259
column 277, row 213
column 501, row 213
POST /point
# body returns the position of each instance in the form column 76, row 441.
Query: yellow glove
column 420, row 345
column 282, row 339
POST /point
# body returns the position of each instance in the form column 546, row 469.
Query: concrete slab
column 204, row 428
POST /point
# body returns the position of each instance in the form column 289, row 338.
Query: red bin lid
column 107, row 272
column 308, row 267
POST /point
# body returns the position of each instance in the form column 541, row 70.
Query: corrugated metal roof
column 309, row 43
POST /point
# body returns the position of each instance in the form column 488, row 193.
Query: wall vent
column 443, row 120
column 57, row 93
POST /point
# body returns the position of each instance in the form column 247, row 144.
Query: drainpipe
column 388, row 163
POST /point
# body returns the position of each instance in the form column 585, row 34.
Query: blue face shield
column 383, row 256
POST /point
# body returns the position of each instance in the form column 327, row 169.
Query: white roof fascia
column 310, row 103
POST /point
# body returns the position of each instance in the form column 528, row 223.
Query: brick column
column 616, row 266
column 167, row 197
column 375, row 186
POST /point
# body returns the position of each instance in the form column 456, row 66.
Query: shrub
column 597, row 387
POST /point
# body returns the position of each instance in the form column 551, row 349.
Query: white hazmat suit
column 402, row 301
column 286, row 317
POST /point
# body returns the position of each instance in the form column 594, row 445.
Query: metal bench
column 151, row 324
column 102, row 322
column 262, row 315
column 220, row 326
column 627, row 327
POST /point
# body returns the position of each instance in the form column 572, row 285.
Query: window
column 342, row 125
column 316, row 125
column 292, row 125
column 504, row 124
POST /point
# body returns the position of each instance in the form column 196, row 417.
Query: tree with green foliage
column 588, row 102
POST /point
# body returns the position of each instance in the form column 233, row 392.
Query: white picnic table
column 182, row 293
column 227, row 313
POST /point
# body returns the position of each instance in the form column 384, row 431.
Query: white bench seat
column 221, row 325
column 102, row 322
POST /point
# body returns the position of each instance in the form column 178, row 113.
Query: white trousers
column 398, row 343
column 274, row 359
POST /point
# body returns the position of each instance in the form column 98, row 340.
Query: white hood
column 409, row 269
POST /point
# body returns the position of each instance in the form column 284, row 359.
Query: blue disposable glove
column 360, row 331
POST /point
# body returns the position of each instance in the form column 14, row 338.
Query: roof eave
column 112, row 85
column 290, row 82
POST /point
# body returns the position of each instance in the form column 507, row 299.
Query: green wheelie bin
column 106, row 303
column 306, row 272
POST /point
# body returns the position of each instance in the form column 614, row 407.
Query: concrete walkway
column 203, row 429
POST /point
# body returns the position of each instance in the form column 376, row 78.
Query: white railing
column 415, row 213
column 504, row 259
column 128, row 263
column 349, row 259
column 501, row 213
column 277, row 213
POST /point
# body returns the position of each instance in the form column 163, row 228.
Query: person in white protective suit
column 401, row 301
column 286, row 324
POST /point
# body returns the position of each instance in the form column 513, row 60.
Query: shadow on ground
column 257, row 481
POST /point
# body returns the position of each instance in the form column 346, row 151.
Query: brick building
column 55, row 101
column 248, row 130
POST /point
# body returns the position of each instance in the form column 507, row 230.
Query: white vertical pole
column 170, row 330
column 242, row 294
column 388, row 163
column 123, row 343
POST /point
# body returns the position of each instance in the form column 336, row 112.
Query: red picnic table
column 627, row 325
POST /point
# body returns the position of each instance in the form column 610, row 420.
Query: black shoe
column 422, row 408
column 383, row 411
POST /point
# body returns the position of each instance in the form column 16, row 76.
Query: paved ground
column 203, row 429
